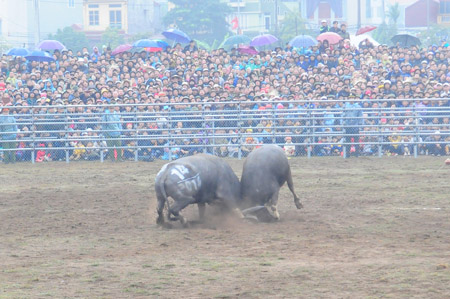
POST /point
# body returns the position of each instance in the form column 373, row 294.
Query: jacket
column 8, row 125
column 111, row 124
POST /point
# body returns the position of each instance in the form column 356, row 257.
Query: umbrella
column 176, row 35
column 153, row 49
column 18, row 52
column 146, row 43
column 303, row 41
column 331, row 37
column 405, row 40
column 264, row 39
column 365, row 29
column 161, row 43
column 237, row 39
column 355, row 40
column 247, row 50
column 50, row 44
column 121, row 49
column 39, row 56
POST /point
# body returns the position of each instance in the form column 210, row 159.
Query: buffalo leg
column 271, row 205
column 297, row 202
column 160, row 210
column 181, row 203
column 201, row 211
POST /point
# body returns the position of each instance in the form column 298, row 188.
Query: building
column 258, row 16
column 98, row 15
column 444, row 12
column 128, row 16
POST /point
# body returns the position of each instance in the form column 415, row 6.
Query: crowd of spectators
column 189, row 79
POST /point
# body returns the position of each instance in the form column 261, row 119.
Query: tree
column 70, row 38
column 385, row 32
column 4, row 46
column 138, row 36
column 112, row 38
column 434, row 35
column 202, row 19
column 394, row 13
column 291, row 26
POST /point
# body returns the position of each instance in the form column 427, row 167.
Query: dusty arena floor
column 370, row 228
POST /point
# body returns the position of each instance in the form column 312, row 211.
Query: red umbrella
column 153, row 49
column 331, row 37
column 365, row 29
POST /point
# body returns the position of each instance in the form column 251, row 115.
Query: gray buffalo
column 198, row 179
column 265, row 171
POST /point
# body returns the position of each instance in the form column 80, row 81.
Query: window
column 267, row 22
column 368, row 9
column 71, row 3
column 115, row 5
column 115, row 19
column 93, row 18
column 93, row 5
column 444, row 7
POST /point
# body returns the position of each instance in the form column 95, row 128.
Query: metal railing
column 171, row 130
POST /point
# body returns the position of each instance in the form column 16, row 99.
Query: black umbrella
column 405, row 40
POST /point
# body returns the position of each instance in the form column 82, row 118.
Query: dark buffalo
column 199, row 179
column 265, row 171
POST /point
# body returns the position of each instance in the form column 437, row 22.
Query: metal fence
column 144, row 132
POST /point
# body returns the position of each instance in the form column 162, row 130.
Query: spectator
column 8, row 131
column 111, row 131
column 335, row 27
column 324, row 27
column 289, row 147
column 352, row 120
column 343, row 32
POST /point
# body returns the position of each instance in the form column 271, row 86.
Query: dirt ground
column 370, row 227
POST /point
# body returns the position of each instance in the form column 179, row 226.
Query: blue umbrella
column 18, row 52
column 161, row 43
column 303, row 41
column 40, row 56
column 146, row 43
column 176, row 35
column 237, row 39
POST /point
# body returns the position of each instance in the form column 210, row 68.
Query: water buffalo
column 199, row 179
column 265, row 171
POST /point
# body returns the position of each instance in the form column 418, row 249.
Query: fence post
column 66, row 134
column 169, row 111
column 380, row 136
column 308, row 144
column 240, row 131
column 136, row 145
column 33, row 135
column 416, row 131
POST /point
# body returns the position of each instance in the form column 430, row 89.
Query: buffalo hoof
column 273, row 211
column 298, row 204
column 251, row 219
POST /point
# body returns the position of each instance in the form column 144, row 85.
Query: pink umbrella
column 365, row 29
column 247, row 50
column 331, row 37
column 121, row 49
